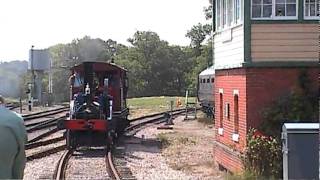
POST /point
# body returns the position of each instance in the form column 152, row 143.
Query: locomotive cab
column 98, row 110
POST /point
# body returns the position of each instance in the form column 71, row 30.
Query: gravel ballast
column 42, row 168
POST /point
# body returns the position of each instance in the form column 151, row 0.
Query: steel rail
column 111, row 167
column 43, row 135
column 46, row 111
column 61, row 168
column 43, row 143
column 45, row 153
column 156, row 114
column 44, row 114
column 44, row 124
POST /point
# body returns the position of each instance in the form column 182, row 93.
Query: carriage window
column 274, row 9
column 311, row 9
column 208, row 80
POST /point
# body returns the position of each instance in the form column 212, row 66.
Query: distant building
column 259, row 50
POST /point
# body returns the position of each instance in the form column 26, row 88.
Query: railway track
column 44, row 153
column 43, row 124
column 12, row 106
column 46, row 113
column 39, row 125
column 115, row 163
column 77, row 158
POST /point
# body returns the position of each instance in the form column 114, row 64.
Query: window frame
column 227, row 110
column 221, row 109
column 236, row 113
column 221, row 26
column 317, row 4
column 273, row 14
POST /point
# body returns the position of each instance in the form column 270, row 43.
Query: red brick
column 258, row 88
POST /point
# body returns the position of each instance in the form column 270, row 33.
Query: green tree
column 155, row 67
column 197, row 34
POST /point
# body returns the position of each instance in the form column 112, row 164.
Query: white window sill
column 311, row 18
column 220, row 131
column 228, row 28
column 235, row 137
column 276, row 18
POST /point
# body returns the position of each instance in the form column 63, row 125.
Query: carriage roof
column 208, row 71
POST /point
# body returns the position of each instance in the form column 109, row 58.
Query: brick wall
column 258, row 88
column 228, row 158
column 265, row 85
column 228, row 81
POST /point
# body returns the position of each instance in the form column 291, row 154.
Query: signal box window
column 274, row 9
column 228, row 14
column 311, row 9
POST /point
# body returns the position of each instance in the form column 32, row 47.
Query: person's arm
column 8, row 151
column 22, row 139
column 19, row 164
column 20, row 159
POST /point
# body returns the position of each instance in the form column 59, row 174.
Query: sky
column 44, row 23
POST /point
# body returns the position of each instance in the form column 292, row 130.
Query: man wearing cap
column 13, row 137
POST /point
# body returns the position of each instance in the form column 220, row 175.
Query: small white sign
column 235, row 137
column 220, row 131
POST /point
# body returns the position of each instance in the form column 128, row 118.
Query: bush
column 299, row 105
column 263, row 155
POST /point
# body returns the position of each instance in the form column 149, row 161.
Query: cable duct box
column 39, row 59
column 300, row 148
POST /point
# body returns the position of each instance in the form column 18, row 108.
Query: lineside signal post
column 191, row 108
column 29, row 96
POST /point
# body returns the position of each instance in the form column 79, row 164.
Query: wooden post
column 20, row 104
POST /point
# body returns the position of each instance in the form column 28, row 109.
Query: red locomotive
column 98, row 109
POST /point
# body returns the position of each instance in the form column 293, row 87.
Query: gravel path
column 42, row 168
column 87, row 164
column 147, row 161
